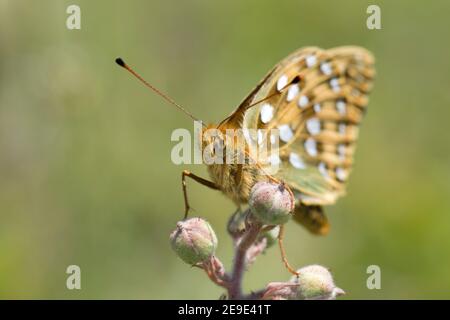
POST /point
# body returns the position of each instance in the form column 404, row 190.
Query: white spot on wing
column 341, row 107
column 325, row 67
column 313, row 126
column 292, row 92
column 334, row 83
column 323, row 169
column 341, row 151
column 266, row 113
column 311, row 61
column 303, row 101
column 296, row 161
column 286, row 132
column 282, row 82
column 342, row 128
column 311, row 147
column 341, row 174
column 317, row 108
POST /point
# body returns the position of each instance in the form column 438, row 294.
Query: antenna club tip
column 120, row 62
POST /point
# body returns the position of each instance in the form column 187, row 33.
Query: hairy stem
column 235, row 284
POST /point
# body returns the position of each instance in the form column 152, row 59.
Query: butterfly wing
column 316, row 99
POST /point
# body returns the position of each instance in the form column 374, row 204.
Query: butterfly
column 316, row 99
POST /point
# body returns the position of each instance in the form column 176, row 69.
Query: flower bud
column 316, row 283
column 193, row 240
column 237, row 223
column 271, row 236
column 271, row 204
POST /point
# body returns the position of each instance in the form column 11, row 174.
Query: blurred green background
column 85, row 170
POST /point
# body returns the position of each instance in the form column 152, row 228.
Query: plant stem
column 235, row 284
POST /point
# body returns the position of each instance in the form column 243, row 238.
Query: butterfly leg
column 198, row 179
column 283, row 252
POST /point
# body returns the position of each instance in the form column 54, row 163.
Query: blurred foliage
column 85, row 170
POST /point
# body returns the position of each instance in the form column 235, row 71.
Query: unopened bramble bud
column 194, row 240
column 316, row 283
column 237, row 223
column 271, row 236
column 271, row 204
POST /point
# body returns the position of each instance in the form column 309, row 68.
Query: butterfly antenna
column 122, row 63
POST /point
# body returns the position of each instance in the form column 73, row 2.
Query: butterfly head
column 223, row 143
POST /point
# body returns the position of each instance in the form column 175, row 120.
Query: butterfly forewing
column 316, row 99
